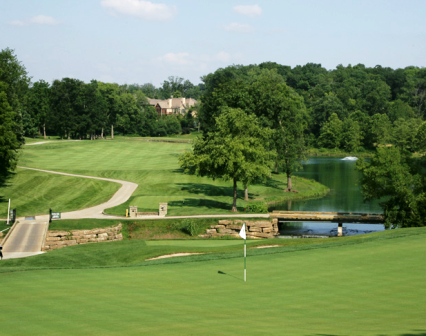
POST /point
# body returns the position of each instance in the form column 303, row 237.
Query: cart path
column 120, row 197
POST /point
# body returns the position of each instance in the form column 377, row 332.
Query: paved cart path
column 28, row 236
column 121, row 196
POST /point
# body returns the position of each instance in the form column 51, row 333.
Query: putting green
column 198, row 243
column 372, row 288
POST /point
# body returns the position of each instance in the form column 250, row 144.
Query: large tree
column 39, row 104
column 13, row 86
column 397, row 179
column 237, row 150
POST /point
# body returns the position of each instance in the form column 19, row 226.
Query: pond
column 345, row 196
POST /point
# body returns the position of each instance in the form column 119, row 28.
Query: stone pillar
column 133, row 211
column 162, row 210
column 340, row 230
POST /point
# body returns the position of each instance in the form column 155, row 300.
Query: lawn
column 369, row 285
column 153, row 165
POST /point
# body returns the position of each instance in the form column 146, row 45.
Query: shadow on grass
column 421, row 333
column 210, row 204
column 232, row 276
column 211, row 190
column 271, row 183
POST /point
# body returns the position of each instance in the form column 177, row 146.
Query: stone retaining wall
column 254, row 229
column 57, row 239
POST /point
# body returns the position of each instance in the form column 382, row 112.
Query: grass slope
column 152, row 165
column 32, row 193
column 353, row 286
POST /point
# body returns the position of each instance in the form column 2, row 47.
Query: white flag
column 243, row 231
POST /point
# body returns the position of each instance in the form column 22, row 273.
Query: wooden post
column 340, row 230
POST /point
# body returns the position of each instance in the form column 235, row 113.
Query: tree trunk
column 234, row 204
column 44, row 130
column 246, row 198
column 112, row 131
column 276, row 168
column 102, row 133
column 289, row 183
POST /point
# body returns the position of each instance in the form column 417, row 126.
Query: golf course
column 369, row 284
column 152, row 165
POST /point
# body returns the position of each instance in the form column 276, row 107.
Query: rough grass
column 152, row 165
column 370, row 285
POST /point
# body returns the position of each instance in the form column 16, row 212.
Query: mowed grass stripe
column 152, row 165
column 375, row 288
column 32, row 192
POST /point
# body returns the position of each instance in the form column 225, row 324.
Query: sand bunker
column 172, row 255
column 267, row 246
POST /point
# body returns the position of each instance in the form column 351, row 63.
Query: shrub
column 257, row 207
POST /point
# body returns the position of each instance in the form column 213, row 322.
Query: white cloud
column 44, row 20
column 176, row 58
column 140, row 8
column 239, row 28
column 39, row 19
column 17, row 23
column 248, row 10
column 223, row 57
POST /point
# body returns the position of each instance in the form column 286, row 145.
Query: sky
column 137, row 41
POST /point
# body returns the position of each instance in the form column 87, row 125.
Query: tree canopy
column 237, row 150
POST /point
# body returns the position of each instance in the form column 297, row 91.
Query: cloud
column 176, row 58
column 223, row 57
column 17, row 23
column 140, row 8
column 249, row 10
column 39, row 19
column 239, row 28
column 44, row 20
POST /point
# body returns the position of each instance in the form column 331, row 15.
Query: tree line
column 254, row 119
column 353, row 108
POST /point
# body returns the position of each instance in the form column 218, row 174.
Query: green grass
column 32, row 193
column 369, row 285
column 152, row 165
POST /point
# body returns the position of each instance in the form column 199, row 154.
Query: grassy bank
column 152, row 165
column 146, row 228
column 364, row 285
column 337, row 153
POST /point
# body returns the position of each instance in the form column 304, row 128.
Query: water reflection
column 345, row 196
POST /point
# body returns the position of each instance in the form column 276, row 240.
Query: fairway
column 371, row 288
column 153, row 165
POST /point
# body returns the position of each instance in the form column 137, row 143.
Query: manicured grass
column 32, row 193
column 167, row 228
column 371, row 285
column 154, row 166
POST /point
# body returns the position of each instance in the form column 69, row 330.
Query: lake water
column 345, row 196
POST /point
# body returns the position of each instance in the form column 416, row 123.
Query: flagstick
column 245, row 258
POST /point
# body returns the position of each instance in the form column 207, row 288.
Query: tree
column 351, row 135
column 420, row 140
column 13, row 86
column 236, row 150
column 39, row 104
column 331, row 133
column 9, row 144
column 16, row 81
column 404, row 133
column 394, row 177
column 380, row 130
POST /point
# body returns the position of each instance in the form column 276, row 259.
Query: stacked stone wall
column 57, row 239
column 254, row 229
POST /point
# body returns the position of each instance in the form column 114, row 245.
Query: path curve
column 121, row 196
column 43, row 142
